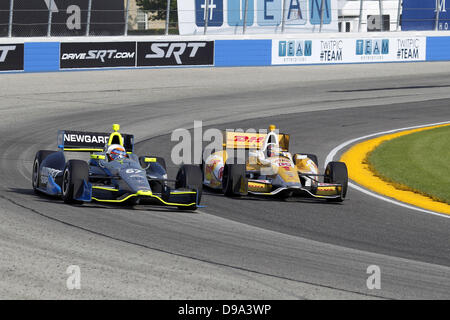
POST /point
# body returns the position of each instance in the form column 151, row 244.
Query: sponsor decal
column 294, row 51
column 48, row 172
column 85, row 138
column 283, row 164
column 409, row 49
column 98, row 54
column 90, row 140
column 331, row 50
column 180, row 53
column 248, row 139
column 11, row 57
column 372, row 49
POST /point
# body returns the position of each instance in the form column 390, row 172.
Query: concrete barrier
column 61, row 54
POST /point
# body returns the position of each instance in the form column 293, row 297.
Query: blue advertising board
column 230, row 53
column 421, row 15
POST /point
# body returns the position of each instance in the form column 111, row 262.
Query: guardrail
column 62, row 54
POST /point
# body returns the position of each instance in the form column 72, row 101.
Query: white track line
column 333, row 153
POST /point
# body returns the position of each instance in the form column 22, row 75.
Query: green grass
column 419, row 162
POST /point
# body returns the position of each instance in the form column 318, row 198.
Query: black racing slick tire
column 189, row 176
column 233, row 178
column 75, row 172
column 40, row 156
column 336, row 172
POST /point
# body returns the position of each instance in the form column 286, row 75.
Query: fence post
column 167, row 17
column 322, row 8
column 88, row 26
column 283, row 15
column 361, row 2
column 49, row 22
column 398, row 14
column 381, row 15
column 438, row 9
column 245, row 16
column 127, row 10
column 206, row 16
column 11, row 10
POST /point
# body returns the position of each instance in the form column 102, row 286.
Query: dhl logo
column 259, row 187
column 248, row 139
column 327, row 188
column 241, row 140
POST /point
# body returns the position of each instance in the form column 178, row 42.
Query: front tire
column 232, row 180
column 36, row 176
column 336, row 172
column 190, row 177
column 75, row 173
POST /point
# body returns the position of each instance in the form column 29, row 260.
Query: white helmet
column 271, row 146
column 116, row 152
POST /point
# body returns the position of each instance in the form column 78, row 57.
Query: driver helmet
column 116, row 152
column 273, row 151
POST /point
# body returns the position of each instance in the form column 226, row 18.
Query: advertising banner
column 323, row 51
column 175, row 53
column 76, row 55
column 421, row 15
column 11, row 57
column 263, row 16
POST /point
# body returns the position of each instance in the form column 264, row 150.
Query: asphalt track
column 233, row 248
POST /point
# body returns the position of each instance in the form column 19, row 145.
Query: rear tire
column 336, row 172
column 189, row 176
column 233, row 176
column 36, row 176
column 75, row 173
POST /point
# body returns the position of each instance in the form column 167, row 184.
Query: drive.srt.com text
column 98, row 55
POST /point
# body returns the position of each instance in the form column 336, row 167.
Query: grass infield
column 418, row 162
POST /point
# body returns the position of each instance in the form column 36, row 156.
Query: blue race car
column 114, row 174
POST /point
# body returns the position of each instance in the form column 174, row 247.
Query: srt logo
column 4, row 52
column 175, row 49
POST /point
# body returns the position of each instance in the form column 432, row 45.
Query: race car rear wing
column 79, row 141
column 244, row 140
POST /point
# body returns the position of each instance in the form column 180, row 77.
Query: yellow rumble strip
column 361, row 174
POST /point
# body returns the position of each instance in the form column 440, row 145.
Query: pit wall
column 81, row 53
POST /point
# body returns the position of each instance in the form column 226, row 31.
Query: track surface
column 246, row 248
